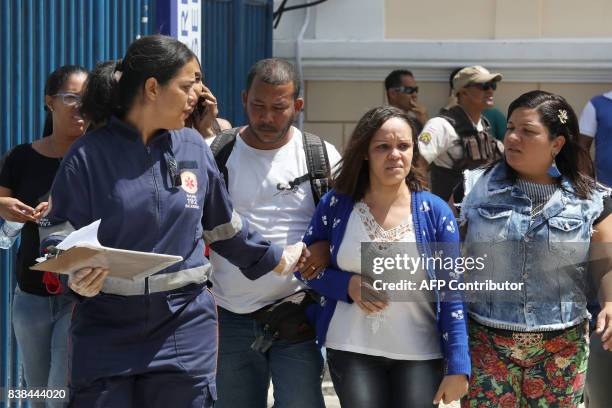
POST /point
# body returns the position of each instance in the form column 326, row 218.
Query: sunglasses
column 407, row 89
column 484, row 87
column 69, row 99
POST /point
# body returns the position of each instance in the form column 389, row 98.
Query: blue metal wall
column 36, row 37
column 237, row 33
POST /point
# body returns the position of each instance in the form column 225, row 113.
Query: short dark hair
column 54, row 83
column 352, row 176
column 154, row 56
column 573, row 160
column 275, row 71
column 394, row 79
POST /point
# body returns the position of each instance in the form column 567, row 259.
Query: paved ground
column 331, row 400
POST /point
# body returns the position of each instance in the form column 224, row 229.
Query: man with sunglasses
column 461, row 138
column 402, row 92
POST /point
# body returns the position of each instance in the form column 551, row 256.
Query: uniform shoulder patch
column 425, row 137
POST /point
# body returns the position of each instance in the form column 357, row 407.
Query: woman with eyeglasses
column 40, row 319
column 543, row 224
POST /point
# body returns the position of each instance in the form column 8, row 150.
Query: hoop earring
column 553, row 170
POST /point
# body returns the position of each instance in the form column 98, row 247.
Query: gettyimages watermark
column 492, row 272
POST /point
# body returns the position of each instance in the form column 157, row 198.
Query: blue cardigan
column 433, row 222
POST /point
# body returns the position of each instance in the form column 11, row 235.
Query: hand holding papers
column 87, row 281
column 81, row 249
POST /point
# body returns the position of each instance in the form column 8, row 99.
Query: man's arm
column 434, row 139
column 588, row 126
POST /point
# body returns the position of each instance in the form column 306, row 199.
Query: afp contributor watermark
column 406, row 273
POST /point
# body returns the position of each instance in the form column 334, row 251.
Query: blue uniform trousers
column 156, row 350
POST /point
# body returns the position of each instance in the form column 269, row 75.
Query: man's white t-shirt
column 281, row 216
column 588, row 118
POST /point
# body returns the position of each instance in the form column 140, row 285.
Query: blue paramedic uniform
column 150, row 343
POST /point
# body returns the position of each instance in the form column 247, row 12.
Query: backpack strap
column 317, row 161
column 221, row 149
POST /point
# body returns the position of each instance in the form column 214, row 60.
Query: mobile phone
column 201, row 107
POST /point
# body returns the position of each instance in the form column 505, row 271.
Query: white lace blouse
column 405, row 330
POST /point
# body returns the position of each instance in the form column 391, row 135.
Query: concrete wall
column 496, row 19
column 349, row 46
column 333, row 107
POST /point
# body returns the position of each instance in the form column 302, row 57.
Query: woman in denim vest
column 534, row 218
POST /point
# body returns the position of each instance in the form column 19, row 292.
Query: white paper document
column 87, row 235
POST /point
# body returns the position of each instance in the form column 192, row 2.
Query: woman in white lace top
column 398, row 347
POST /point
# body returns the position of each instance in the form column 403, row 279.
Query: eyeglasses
column 484, row 86
column 69, row 99
column 407, row 89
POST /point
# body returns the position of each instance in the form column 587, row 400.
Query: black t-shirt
column 607, row 210
column 29, row 175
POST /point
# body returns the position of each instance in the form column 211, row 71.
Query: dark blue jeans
column 243, row 375
column 364, row 381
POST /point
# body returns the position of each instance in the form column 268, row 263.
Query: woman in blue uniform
column 154, row 185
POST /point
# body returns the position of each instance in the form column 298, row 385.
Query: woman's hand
column 87, row 281
column 40, row 210
column 601, row 271
column 451, row 389
column 366, row 297
column 294, row 257
column 604, row 326
column 318, row 260
column 11, row 209
column 205, row 112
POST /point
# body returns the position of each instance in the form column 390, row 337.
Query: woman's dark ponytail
column 100, row 100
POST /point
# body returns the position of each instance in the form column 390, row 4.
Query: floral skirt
column 525, row 369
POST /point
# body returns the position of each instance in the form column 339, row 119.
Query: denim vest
column 547, row 255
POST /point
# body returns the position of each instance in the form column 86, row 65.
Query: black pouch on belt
column 285, row 320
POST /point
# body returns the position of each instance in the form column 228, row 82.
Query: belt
column 156, row 283
column 531, row 339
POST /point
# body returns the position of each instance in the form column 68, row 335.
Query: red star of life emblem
column 189, row 182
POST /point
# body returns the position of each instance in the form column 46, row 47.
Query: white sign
column 189, row 24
